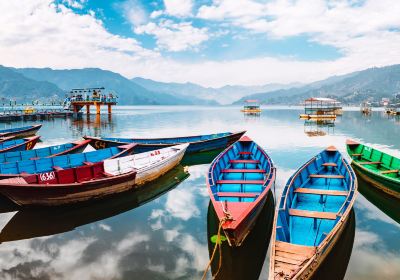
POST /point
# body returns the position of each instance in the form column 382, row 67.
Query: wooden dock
column 37, row 114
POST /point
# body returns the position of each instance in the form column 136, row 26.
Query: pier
column 31, row 113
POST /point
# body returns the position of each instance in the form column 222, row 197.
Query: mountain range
column 28, row 84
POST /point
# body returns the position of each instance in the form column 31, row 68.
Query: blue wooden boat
column 238, row 182
column 51, row 151
column 12, row 169
column 312, row 213
column 20, row 132
column 199, row 143
column 18, row 144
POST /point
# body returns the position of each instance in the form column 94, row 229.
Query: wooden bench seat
column 312, row 214
column 250, row 182
column 237, row 194
column 356, row 155
column 370, row 162
column 326, row 176
column 321, row 192
column 244, row 161
column 329, row 164
column 243, row 171
column 390, row 171
column 245, row 153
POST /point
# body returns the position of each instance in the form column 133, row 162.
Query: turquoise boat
column 311, row 215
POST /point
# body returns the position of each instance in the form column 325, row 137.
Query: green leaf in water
column 215, row 237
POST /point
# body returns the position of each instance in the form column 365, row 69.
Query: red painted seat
column 84, row 173
column 245, row 153
column 66, row 176
column 244, row 161
column 243, row 171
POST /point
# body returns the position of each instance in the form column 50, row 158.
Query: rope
column 218, row 245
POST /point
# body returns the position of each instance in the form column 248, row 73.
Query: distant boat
column 51, row 151
column 311, row 215
column 376, row 167
column 251, row 107
column 199, row 143
column 238, row 182
column 20, row 132
column 366, row 108
column 321, row 108
column 14, row 145
column 92, row 180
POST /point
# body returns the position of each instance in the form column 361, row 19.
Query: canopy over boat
column 238, row 182
column 18, row 144
column 198, row 143
column 378, row 168
column 51, row 151
column 20, row 132
column 313, row 209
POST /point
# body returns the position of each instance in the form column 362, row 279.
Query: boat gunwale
column 32, row 139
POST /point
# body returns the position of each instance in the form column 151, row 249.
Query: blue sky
column 210, row 42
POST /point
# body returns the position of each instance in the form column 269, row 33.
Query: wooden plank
column 390, row 171
column 370, row 162
column 289, row 261
column 244, row 161
column 245, row 153
column 321, row 192
column 329, row 164
column 243, row 171
column 253, row 182
column 291, row 255
column 312, row 214
column 237, row 194
column 294, row 248
column 326, row 176
column 356, row 155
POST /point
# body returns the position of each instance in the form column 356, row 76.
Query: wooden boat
column 35, row 166
column 51, row 151
column 7, row 138
column 238, row 182
column 199, row 143
column 311, row 215
column 14, row 145
column 92, row 180
column 376, row 167
column 20, row 132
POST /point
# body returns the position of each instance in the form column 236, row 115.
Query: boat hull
column 194, row 147
column 31, row 131
column 390, row 187
column 29, row 144
column 68, row 193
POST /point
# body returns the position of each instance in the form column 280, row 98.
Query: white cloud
column 178, row 8
column 174, row 36
column 134, row 12
column 77, row 4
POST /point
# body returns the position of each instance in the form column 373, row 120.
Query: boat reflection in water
column 386, row 203
column 246, row 261
column 92, row 125
column 39, row 222
column 200, row 158
column 319, row 127
column 334, row 266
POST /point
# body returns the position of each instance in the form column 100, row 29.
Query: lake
column 163, row 231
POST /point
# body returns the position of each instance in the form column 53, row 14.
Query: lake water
column 163, row 230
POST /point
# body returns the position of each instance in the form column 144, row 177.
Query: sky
column 208, row 42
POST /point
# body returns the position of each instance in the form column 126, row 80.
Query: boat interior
column 241, row 174
column 58, row 162
column 11, row 143
column 375, row 160
column 314, row 199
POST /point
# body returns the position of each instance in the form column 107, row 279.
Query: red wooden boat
column 238, row 181
column 18, row 144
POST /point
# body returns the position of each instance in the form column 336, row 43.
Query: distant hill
column 129, row 92
column 223, row 95
column 373, row 83
column 16, row 86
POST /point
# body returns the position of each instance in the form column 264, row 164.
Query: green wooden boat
column 376, row 167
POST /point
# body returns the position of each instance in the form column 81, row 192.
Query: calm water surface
column 163, row 232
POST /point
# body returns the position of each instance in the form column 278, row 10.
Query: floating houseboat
column 251, row 107
column 321, row 108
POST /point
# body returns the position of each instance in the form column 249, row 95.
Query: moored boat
column 92, row 180
column 20, row 132
column 311, row 215
column 199, row 143
column 378, row 168
column 51, row 151
column 18, row 144
column 238, row 182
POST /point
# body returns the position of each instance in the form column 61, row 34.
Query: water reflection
column 200, row 158
column 246, row 261
column 93, row 125
column 317, row 127
column 386, row 203
column 32, row 223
